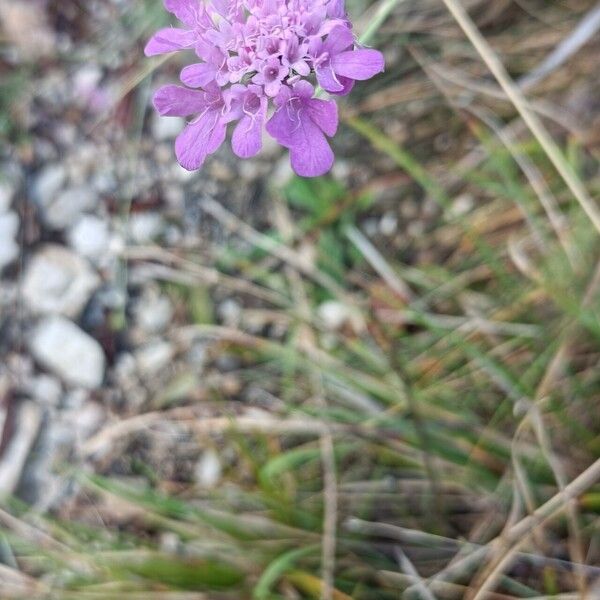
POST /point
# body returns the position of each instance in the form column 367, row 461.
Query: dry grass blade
column 107, row 594
column 581, row 35
column 330, row 515
column 501, row 550
column 504, row 548
column 521, row 104
column 408, row 568
column 536, row 180
column 381, row 266
column 14, row 584
column 16, row 452
column 192, row 273
column 442, row 589
column 506, row 136
column 282, row 252
column 186, row 418
column 556, row 366
column 415, row 537
column 326, row 443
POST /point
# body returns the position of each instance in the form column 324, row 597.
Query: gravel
column 87, row 190
column 90, row 237
column 153, row 312
column 153, row 357
column 6, row 196
column 145, row 227
column 62, row 210
column 63, row 348
column 46, row 390
column 9, row 248
column 58, row 281
column 208, row 470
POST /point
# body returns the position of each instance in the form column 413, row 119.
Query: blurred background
column 238, row 383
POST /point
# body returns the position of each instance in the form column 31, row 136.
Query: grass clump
column 426, row 396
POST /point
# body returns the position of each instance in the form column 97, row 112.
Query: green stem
column 378, row 19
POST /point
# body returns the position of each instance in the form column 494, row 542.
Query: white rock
column 48, row 183
column 335, row 315
column 58, row 281
column 75, row 399
column 124, row 368
column 6, row 195
column 20, row 442
column 85, row 81
column 67, row 351
column 370, row 227
column 9, row 249
column 63, row 209
column 166, row 128
column 90, row 237
column 170, row 543
column 153, row 312
column 208, row 469
column 388, row 224
column 9, row 224
column 86, row 420
column 341, row 170
column 198, row 355
column 144, row 227
column 153, row 357
column 230, row 312
column 461, row 205
column 46, row 390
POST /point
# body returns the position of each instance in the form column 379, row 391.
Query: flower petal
column 303, row 89
column 327, row 78
column 293, row 127
column 325, row 114
column 198, row 75
column 272, row 88
column 198, row 140
column 347, row 84
column 336, row 9
column 338, row 40
column 246, row 140
column 187, row 11
column 169, row 39
column 314, row 158
column 358, row 64
column 284, row 124
column 222, row 7
column 177, row 101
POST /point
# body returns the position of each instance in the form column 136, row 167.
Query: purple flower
column 249, row 105
column 254, row 53
column 191, row 13
column 300, row 123
column 336, row 66
column 295, row 55
column 270, row 75
column 206, row 132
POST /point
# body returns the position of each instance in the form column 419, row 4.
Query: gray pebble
column 58, row 281
column 70, row 353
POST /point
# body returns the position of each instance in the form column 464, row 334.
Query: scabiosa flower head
column 256, row 57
